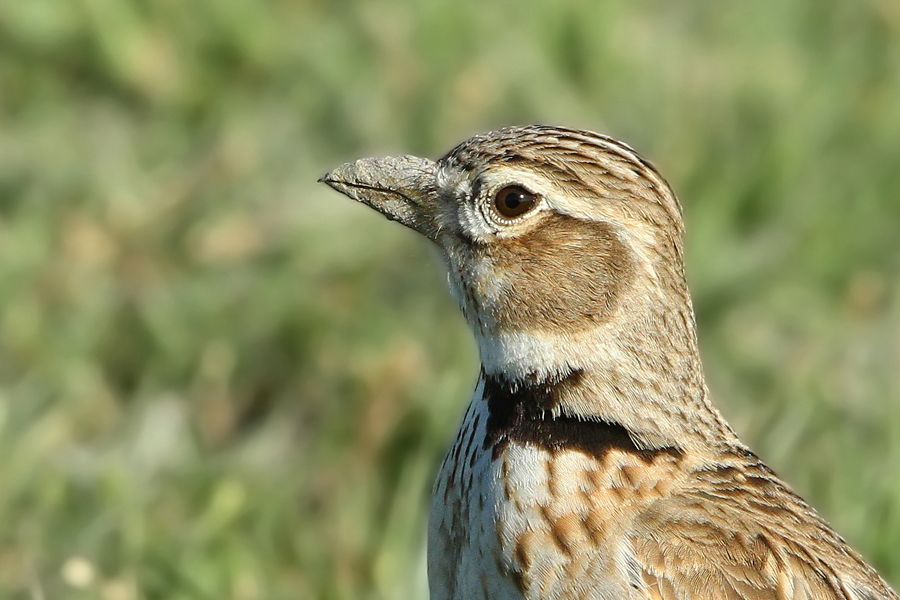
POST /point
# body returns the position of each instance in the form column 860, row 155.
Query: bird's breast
column 514, row 517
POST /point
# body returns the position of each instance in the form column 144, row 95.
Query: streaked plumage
column 590, row 463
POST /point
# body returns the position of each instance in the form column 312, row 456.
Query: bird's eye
column 514, row 201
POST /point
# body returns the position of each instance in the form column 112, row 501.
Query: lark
column 591, row 463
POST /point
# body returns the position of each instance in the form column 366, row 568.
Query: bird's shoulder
column 734, row 529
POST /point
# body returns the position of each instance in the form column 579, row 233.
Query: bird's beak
column 402, row 188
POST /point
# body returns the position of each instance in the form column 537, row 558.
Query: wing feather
column 746, row 538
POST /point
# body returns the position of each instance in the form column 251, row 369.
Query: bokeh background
column 220, row 380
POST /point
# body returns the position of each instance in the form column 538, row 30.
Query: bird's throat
column 531, row 413
column 600, row 389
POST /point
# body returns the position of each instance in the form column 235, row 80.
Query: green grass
column 220, row 380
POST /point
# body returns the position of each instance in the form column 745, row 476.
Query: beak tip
column 331, row 180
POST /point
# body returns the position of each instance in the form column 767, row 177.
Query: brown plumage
column 590, row 463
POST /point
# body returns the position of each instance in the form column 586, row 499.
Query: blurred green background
column 221, row 380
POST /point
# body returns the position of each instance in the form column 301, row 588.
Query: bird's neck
column 641, row 372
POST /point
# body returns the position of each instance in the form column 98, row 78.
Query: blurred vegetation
column 220, row 380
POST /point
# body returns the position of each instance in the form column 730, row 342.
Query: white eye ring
column 513, row 201
column 508, row 204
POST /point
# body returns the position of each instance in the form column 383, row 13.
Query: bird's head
column 554, row 239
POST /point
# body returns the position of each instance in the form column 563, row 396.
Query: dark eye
column 514, row 201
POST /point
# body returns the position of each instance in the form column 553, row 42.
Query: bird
column 591, row 462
